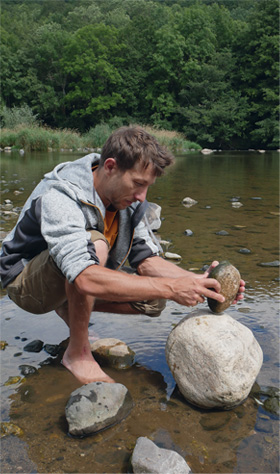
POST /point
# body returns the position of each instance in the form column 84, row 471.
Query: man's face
column 125, row 187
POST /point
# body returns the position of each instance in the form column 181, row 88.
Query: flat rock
column 96, row 406
column 276, row 263
column 113, row 352
column 149, row 458
column 214, row 359
column 172, row 256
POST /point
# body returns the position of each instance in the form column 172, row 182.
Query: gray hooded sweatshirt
column 58, row 215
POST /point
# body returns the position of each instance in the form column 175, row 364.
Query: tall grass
column 39, row 138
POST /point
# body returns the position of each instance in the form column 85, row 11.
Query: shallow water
column 243, row 440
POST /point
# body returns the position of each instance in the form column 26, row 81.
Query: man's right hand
column 191, row 290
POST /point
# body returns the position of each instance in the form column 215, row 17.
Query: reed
column 40, row 138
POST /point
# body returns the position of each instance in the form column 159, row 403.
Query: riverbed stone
column 214, row 359
column 34, row 346
column 229, row 278
column 96, row 406
column 275, row 263
column 189, row 202
column 113, row 352
column 149, row 458
column 172, row 256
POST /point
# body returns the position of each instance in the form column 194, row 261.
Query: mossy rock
column 229, row 278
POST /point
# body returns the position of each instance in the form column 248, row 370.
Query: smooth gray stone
column 149, row 458
column 96, row 406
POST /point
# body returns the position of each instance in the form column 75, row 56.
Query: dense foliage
column 206, row 69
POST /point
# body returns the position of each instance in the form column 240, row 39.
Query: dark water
column 243, row 440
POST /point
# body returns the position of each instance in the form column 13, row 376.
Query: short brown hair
column 127, row 145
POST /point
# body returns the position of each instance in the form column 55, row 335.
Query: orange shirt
column 111, row 226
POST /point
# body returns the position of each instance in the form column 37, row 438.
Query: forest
column 207, row 69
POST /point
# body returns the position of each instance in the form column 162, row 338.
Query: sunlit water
column 242, row 440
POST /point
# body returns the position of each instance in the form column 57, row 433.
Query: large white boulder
column 214, row 359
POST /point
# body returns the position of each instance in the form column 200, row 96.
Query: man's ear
column 110, row 165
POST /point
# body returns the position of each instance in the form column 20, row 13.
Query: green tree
column 91, row 60
column 257, row 53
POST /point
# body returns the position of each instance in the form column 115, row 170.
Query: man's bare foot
column 85, row 369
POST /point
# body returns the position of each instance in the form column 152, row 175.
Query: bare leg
column 78, row 357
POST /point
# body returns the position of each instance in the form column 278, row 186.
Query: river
column 243, row 440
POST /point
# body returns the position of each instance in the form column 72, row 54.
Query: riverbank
column 39, row 138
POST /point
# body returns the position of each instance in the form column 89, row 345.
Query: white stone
column 214, row 359
column 149, row 458
column 189, row 202
column 172, row 256
column 206, row 151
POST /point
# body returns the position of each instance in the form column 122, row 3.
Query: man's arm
column 188, row 289
column 158, row 267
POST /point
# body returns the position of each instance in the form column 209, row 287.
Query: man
column 78, row 227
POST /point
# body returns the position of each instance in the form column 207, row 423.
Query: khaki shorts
column 40, row 287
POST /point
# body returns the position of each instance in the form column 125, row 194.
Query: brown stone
column 229, row 278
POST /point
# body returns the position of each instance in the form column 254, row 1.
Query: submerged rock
column 189, row 202
column 229, row 278
column 34, row 346
column 148, row 457
column 8, row 429
column 222, row 232
column 113, row 352
column 214, row 359
column 96, row 406
column 27, row 370
column 276, row 263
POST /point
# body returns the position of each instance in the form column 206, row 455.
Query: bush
column 16, row 116
column 97, row 136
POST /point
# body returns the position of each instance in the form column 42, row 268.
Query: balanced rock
column 96, row 406
column 149, row 458
column 214, row 359
column 113, row 352
column 229, row 278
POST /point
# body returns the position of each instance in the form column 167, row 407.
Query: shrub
column 15, row 116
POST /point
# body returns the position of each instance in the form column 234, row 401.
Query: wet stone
column 272, row 405
column 3, row 345
column 34, row 346
column 27, row 370
column 8, row 429
column 222, row 232
column 275, row 263
column 244, row 251
column 52, row 349
column 188, row 232
column 148, row 457
column 12, row 380
column 214, row 421
column 229, row 278
column 113, row 352
column 97, row 406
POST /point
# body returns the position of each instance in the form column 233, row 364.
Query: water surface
column 243, row 440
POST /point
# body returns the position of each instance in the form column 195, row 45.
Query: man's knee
column 152, row 308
